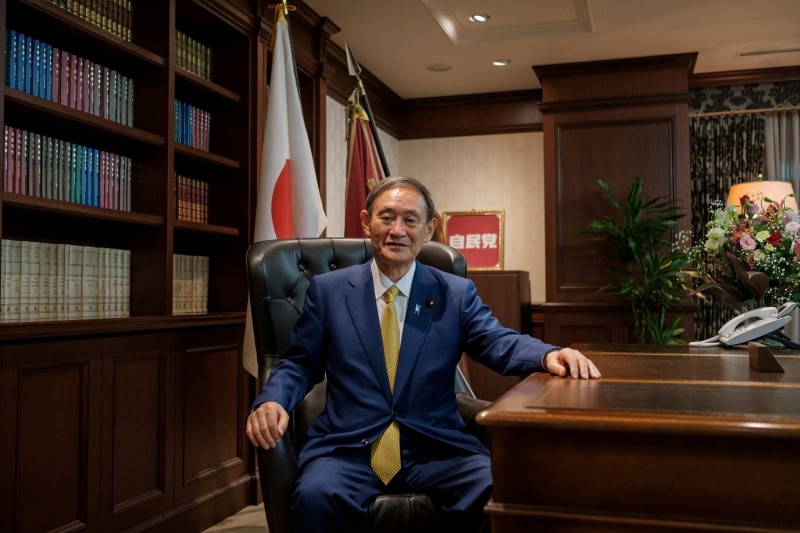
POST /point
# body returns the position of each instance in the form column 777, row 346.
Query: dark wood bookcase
column 137, row 422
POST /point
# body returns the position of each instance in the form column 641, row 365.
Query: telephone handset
column 750, row 325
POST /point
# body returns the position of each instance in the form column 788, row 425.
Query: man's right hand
column 267, row 424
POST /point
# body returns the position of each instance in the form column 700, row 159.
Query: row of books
column 40, row 69
column 43, row 281
column 191, row 196
column 45, row 167
column 190, row 284
column 193, row 55
column 114, row 16
column 192, row 125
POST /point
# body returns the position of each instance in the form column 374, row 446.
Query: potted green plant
column 652, row 277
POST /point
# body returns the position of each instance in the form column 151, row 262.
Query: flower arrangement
column 751, row 255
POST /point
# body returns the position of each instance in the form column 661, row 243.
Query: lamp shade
column 776, row 191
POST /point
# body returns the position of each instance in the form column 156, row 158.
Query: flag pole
column 354, row 69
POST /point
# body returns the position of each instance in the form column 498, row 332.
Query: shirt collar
column 380, row 282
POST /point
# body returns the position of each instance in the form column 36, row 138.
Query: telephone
column 750, row 325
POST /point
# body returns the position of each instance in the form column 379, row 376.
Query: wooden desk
column 670, row 438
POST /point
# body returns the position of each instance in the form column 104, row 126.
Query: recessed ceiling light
column 438, row 67
column 479, row 17
column 501, row 62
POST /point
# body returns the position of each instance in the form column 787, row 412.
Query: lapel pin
column 416, row 309
column 430, row 302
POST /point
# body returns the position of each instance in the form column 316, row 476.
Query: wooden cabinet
column 508, row 295
column 123, row 431
column 131, row 421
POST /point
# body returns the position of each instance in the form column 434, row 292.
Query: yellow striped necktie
column 385, row 457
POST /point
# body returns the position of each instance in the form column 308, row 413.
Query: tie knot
column 391, row 294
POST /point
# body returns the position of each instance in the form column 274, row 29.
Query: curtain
column 782, row 156
column 724, row 149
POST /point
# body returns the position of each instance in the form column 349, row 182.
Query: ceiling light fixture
column 479, row 17
column 501, row 62
column 438, row 67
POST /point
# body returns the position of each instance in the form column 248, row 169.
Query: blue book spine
column 22, row 52
column 86, row 164
column 47, row 70
column 96, row 177
column 75, row 175
column 11, row 58
column 28, row 65
column 36, row 69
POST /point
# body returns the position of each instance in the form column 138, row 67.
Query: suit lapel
column 419, row 317
column 360, row 300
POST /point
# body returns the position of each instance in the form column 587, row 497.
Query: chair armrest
column 468, row 408
column 278, row 472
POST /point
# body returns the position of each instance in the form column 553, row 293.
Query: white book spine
column 204, row 291
column 109, row 282
column 89, row 283
column 53, row 296
column 197, row 284
column 102, row 310
column 44, row 281
column 114, row 272
column 61, row 282
column 126, row 285
column 36, row 281
column 175, row 284
column 187, row 284
column 73, row 287
column 15, row 263
column 25, row 282
column 5, row 278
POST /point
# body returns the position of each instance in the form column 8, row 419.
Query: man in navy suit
column 338, row 334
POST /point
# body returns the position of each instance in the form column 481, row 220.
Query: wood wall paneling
column 210, row 449
column 615, row 121
column 138, row 414
column 51, row 424
column 609, row 149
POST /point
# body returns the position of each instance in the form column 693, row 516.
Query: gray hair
column 402, row 182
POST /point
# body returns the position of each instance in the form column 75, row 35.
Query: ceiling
column 396, row 39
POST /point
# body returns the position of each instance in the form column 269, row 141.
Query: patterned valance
column 750, row 97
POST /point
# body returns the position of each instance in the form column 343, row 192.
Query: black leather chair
column 279, row 272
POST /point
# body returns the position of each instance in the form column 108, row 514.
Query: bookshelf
column 151, row 229
column 151, row 401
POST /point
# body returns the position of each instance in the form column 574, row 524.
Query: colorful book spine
column 36, row 67
column 192, row 126
column 41, row 166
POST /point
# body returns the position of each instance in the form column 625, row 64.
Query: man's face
column 397, row 228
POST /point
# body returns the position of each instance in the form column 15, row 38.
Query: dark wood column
column 610, row 120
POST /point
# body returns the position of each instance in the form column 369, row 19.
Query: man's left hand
column 567, row 361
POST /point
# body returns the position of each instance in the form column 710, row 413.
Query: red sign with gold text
column 478, row 235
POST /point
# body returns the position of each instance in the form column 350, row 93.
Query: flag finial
column 353, row 68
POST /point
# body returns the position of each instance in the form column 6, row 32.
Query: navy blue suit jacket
column 338, row 335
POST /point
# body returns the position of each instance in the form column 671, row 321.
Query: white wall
column 488, row 172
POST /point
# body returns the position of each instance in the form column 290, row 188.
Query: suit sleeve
column 303, row 364
column 502, row 349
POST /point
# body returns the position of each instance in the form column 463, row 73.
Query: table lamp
column 758, row 190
